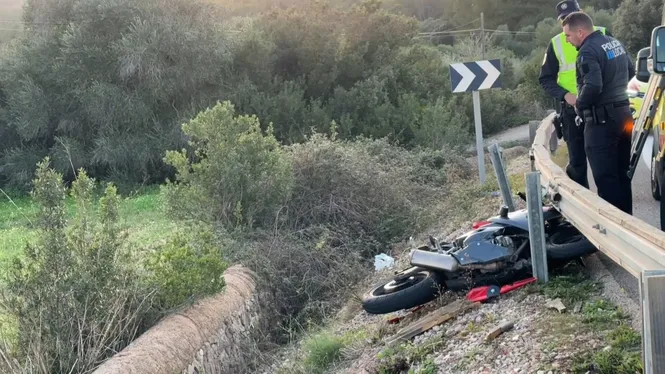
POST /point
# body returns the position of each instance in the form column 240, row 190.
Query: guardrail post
column 500, row 172
column 533, row 128
column 554, row 141
column 536, row 227
column 532, row 160
column 652, row 297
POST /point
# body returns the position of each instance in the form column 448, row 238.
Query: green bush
column 187, row 267
column 236, row 176
column 443, row 125
column 77, row 295
column 636, row 35
column 123, row 75
column 367, row 186
column 75, row 302
column 322, row 351
column 309, row 271
column 350, row 199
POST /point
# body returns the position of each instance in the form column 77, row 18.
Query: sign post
column 476, row 76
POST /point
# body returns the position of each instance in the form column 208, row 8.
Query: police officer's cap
column 566, row 7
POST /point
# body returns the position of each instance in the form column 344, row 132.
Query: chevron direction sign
column 475, row 76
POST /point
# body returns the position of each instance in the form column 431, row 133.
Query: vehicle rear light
column 480, row 224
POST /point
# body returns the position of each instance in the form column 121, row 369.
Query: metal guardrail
column 632, row 243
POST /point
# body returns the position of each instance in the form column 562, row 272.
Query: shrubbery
column 319, row 210
column 77, row 297
column 237, row 176
column 370, row 186
column 187, row 267
column 123, row 76
column 74, row 303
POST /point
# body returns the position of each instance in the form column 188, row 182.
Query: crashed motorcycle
column 494, row 252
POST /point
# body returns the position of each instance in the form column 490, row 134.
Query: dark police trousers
column 574, row 137
column 608, row 149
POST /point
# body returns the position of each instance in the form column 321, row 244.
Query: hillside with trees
column 105, row 85
column 249, row 132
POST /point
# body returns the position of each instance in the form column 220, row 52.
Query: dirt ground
column 582, row 339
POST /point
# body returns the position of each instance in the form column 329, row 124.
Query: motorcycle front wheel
column 408, row 289
column 567, row 243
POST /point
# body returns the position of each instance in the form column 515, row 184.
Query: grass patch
column 622, row 355
column 569, row 283
column 323, row 351
column 624, row 337
column 468, row 359
column 560, row 157
column 602, row 314
column 465, row 198
column 570, row 288
column 428, row 367
column 471, row 328
column 515, row 143
column 612, row 361
column 517, row 184
column 141, row 215
column 144, row 218
column 394, row 360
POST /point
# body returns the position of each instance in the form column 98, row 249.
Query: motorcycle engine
column 505, row 241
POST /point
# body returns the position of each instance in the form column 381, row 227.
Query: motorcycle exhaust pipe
column 433, row 260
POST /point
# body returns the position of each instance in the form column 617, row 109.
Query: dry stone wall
column 214, row 336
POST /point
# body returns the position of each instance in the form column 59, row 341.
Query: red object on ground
column 485, row 293
column 516, row 285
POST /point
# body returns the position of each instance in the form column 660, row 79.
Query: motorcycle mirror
column 503, row 212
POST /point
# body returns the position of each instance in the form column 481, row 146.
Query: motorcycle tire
column 567, row 243
column 421, row 287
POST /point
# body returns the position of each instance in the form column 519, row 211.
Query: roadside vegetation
column 147, row 145
column 620, row 351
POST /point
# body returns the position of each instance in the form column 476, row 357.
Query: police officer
column 603, row 71
column 557, row 77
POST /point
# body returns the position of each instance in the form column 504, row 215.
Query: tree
column 635, row 19
column 104, row 85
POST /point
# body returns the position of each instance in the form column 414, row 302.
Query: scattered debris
column 434, row 318
column 556, row 304
column 578, row 307
column 383, row 261
column 399, row 318
column 498, row 330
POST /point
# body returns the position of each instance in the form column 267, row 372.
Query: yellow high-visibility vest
column 566, row 53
